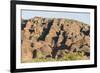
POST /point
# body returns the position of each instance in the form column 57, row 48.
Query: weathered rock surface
column 49, row 36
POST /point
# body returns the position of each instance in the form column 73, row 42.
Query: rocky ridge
column 53, row 38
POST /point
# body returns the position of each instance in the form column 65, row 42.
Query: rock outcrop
column 49, row 37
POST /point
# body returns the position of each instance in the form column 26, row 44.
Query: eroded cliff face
column 54, row 38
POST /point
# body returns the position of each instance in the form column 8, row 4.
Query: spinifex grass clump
column 67, row 57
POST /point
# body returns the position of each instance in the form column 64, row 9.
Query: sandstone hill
column 56, row 39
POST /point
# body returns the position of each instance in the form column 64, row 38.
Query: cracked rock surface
column 54, row 39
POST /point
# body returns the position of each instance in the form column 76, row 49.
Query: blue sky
column 80, row 16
